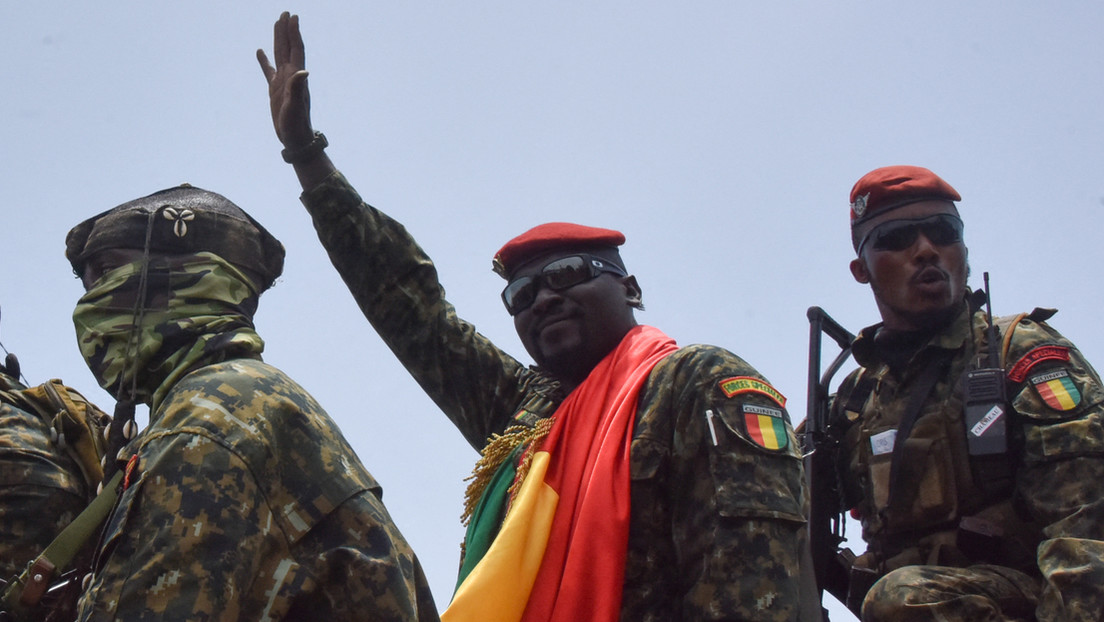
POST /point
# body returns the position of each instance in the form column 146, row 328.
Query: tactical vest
column 939, row 509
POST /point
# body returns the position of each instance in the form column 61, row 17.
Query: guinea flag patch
column 748, row 384
column 1057, row 389
column 765, row 426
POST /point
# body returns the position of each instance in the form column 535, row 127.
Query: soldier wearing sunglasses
column 622, row 477
column 971, row 448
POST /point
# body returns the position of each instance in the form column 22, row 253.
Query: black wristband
column 308, row 151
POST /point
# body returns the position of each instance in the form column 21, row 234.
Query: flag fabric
column 560, row 553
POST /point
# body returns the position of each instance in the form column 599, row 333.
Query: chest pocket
column 753, row 477
column 928, row 488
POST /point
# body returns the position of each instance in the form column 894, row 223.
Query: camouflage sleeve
column 737, row 492
column 377, row 577
column 246, row 503
column 395, row 284
column 41, row 489
column 186, row 539
column 1060, row 401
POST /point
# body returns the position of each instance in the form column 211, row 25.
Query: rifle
column 826, row 527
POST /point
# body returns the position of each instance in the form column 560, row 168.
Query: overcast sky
column 723, row 138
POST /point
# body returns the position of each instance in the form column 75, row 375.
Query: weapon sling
column 924, row 384
column 29, row 587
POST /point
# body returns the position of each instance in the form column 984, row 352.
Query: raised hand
column 288, row 94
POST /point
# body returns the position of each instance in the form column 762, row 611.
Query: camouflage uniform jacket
column 41, row 486
column 1045, row 516
column 717, row 520
column 245, row 502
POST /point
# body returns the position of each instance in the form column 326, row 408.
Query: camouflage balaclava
column 188, row 299
column 195, row 308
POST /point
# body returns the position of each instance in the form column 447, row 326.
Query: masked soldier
column 241, row 500
column 621, row 478
column 972, row 450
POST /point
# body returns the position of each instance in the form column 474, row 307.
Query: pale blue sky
column 721, row 137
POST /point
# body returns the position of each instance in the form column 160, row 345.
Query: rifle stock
column 825, row 520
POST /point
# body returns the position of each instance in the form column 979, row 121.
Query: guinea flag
column 766, row 426
column 560, row 553
column 1057, row 389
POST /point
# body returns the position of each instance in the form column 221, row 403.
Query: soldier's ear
column 859, row 271
column 633, row 294
column 634, row 297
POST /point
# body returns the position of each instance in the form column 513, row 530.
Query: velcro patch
column 748, row 384
column 765, row 426
column 1034, row 357
column 1057, row 389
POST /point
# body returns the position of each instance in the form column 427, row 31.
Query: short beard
column 934, row 321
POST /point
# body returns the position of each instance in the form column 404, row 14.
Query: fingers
column 295, row 42
column 287, row 42
column 266, row 68
column 297, row 86
column 287, row 47
column 279, row 39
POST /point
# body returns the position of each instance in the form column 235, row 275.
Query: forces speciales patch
column 748, row 384
column 1057, row 389
column 1034, row 357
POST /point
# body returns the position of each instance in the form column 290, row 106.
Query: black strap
column 924, row 384
column 860, row 392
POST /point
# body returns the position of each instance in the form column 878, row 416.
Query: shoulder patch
column 1034, row 357
column 748, row 384
column 765, row 426
column 1057, row 389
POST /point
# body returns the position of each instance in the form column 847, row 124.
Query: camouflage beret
column 890, row 187
column 180, row 220
column 556, row 236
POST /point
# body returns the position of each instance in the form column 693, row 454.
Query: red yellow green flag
column 560, row 554
column 1057, row 389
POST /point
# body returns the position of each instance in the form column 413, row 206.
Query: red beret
column 891, row 187
column 551, row 236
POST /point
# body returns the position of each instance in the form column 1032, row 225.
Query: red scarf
column 574, row 504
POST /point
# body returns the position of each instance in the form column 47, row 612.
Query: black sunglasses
column 897, row 235
column 556, row 275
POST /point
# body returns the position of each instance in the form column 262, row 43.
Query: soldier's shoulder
column 706, row 361
column 1028, row 339
column 239, row 381
column 240, row 400
column 20, row 429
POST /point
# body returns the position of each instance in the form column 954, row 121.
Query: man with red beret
column 622, row 477
column 972, row 448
